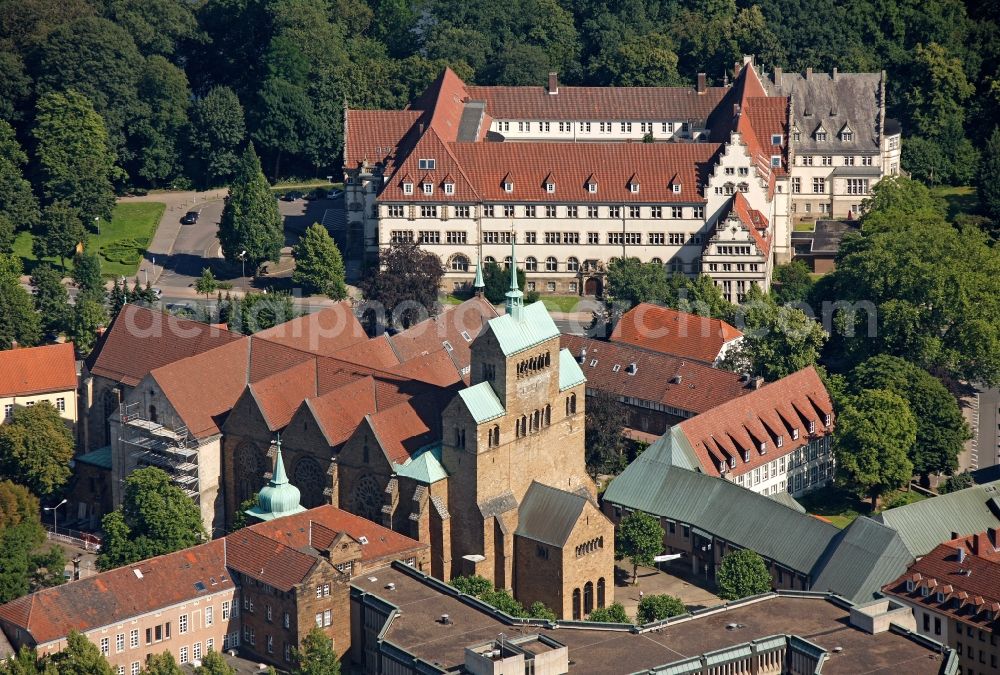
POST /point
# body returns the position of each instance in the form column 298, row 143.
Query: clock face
column 366, row 499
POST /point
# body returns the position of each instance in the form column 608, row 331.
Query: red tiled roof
column 140, row 340
column 971, row 588
column 438, row 368
column 429, row 336
column 768, row 116
column 268, row 358
column 203, row 389
column 324, row 332
column 597, row 103
column 754, row 221
column 670, row 331
column 374, row 353
column 117, row 595
column 688, row 385
column 736, row 428
column 405, row 428
column 293, row 531
column 373, row 135
column 260, row 557
column 37, row 370
column 611, row 165
column 339, row 412
column 280, row 395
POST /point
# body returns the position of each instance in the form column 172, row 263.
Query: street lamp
column 243, row 261
column 55, row 511
column 97, row 219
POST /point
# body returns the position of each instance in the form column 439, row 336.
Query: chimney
column 553, row 83
column 961, row 554
column 583, row 356
column 757, row 382
column 702, row 83
column 76, row 568
column 975, row 543
column 777, row 77
column 834, row 74
column 809, row 73
column 954, row 535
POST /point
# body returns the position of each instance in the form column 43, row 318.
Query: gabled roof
column 548, row 514
column 736, row 428
column 339, row 411
column 670, row 331
column 753, row 221
column 861, row 559
column 424, row 466
column 448, row 327
column 140, row 340
column 515, row 336
column 259, row 557
column 482, row 402
column 280, row 395
column 925, row 524
column 374, row 135
column 114, row 596
column 325, row 332
column 37, row 370
column 685, row 384
column 405, row 428
column 570, row 373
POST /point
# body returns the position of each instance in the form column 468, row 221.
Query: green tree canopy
column 59, row 232
column 605, row 425
column 51, row 298
column 988, row 179
column 87, row 273
column 18, row 205
column 319, row 267
column 161, row 121
column 206, row 284
column 214, row 664
column 613, row 613
column 538, row 610
column 23, row 566
column 793, row 281
column 474, row 585
column 75, row 161
column 638, row 537
column 317, row 656
column 405, row 283
column 19, row 322
column 162, row 664
column 218, row 131
column 658, row 607
column 80, row 657
column 959, row 481
column 250, row 219
column 89, row 315
column 874, row 435
column 496, row 282
column 941, row 428
column 741, row 574
column 255, row 312
column 36, row 447
column 155, row 517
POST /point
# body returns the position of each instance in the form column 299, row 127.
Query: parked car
column 190, row 218
column 334, row 194
column 158, row 292
column 318, row 193
column 292, row 196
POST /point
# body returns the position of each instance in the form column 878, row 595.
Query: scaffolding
column 150, row 443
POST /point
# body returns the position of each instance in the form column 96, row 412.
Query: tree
column 777, row 340
column 22, row 569
column 162, row 664
column 631, row 282
column 874, row 435
column 51, row 298
column 75, row 162
column 941, row 428
column 658, row 607
column 793, row 282
column 87, row 273
column 496, row 282
column 255, row 312
column 89, row 316
column 613, row 613
column 18, row 205
column 473, row 585
column 80, row 657
column 741, row 574
column 639, row 537
column 250, row 219
column 988, row 179
column 959, row 481
column 218, row 130
column 405, row 282
column 59, row 232
column 36, row 448
column 155, row 518
column 538, row 610
column 638, row 61
column 319, row 268
column 161, row 121
column 214, row 664
column 206, row 284
column 7, row 235
column 19, row 322
column 240, row 517
column 26, row 662
column 605, row 425
column 316, row 656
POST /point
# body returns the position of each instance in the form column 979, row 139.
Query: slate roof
column 670, row 331
column 101, row 458
column 534, row 327
column 851, row 98
column 925, row 524
column 861, row 559
column 735, row 430
column 37, row 370
column 548, row 514
column 140, row 340
column 699, row 387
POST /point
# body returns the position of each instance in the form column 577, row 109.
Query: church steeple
column 279, row 497
column 515, row 298
column 478, row 285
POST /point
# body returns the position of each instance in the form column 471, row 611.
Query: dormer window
column 722, row 467
column 550, row 188
column 428, row 188
column 812, row 426
column 449, row 188
column 676, row 188
column 732, row 462
column 796, row 135
column 780, row 441
column 940, row 597
column 763, row 447
column 633, row 188
column 847, row 135
column 775, row 161
column 821, row 134
column 775, row 139
column 746, row 455
column 795, row 434
column 909, row 585
column 925, row 591
column 407, row 188
column 592, row 188
column 426, row 164
column 508, row 186
column 826, row 420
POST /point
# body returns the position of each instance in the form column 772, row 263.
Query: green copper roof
column 534, row 327
column 515, row 298
column 674, row 449
column 424, row 466
column 279, row 498
column 482, row 402
column 570, row 374
column 863, row 558
column 100, row 458
column 479, row 283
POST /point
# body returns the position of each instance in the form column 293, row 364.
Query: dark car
column 292, row 196
column 190, row 218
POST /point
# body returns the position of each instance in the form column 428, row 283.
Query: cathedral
column 486, row 467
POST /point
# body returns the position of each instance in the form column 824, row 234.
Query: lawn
column 804, row 227
column 120, row 244
column 957, row 199
column 560, row 303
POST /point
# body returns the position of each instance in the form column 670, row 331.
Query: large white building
column 697, row 179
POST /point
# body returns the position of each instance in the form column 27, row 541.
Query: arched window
column 600, row 592
column 152, row 414
column 459, row 263
column 506, row 262
column 548, row 359
column 656, row 261
column 551, row 264
column 524, row 425
column 571, row 404
column 530, row 264
column 494, row 436
column 573, row 265
column 548, row 414
column 576, row 604
column 588, row 597
column 489, row 260
column 537, row 419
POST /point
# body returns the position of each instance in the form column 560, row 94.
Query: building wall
column 978, row 648
column 596, row 130
column 799, row 472
column 98, row 402
column 64, row 401
column 244, row 455
column 131, row 659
